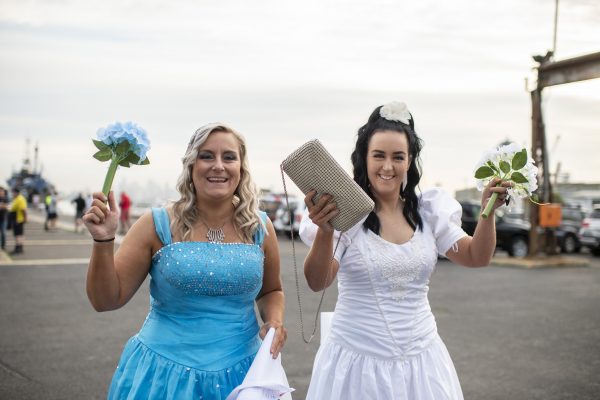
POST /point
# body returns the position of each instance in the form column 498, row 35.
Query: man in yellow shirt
column 19, row 208
column 3, row 212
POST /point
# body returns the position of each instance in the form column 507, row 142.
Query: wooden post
column 536, row 124
column 551, row 73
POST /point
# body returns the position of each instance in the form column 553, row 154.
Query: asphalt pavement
column 514, row 330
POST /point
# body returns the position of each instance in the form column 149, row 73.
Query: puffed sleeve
column 308, row 232
column 443, row 214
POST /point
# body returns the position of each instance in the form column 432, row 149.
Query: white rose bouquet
column 510, row 163
column 121, row 144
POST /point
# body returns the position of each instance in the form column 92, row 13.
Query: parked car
column 589, row 234
column 269, row 203
column 512, row 229
column 283, row 217
column 567, row 234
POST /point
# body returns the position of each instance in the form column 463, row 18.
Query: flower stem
column 535, row 202
column 490, row 204
column 110, row 175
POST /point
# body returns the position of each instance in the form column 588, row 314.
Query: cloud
column 282, row 73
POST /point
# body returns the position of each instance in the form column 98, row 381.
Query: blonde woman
column 210, row 256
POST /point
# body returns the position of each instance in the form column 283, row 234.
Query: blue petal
column 135, row 135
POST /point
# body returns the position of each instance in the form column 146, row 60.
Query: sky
column 283, row 73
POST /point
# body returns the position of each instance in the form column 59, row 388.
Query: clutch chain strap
column 291, row 222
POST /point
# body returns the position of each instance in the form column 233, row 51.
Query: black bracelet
column 104, row 240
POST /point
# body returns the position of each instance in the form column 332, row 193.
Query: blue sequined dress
column 201, row 333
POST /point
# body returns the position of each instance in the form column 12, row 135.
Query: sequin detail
column 211, row 269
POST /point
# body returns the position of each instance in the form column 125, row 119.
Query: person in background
column 383, row 343
column 3, row 214
column 35, row 201
column 79, row 202
column 18, row 207
column 124, row 206
column 212, row 256
column 51, row 211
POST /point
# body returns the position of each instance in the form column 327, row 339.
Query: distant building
column 585, row 195
column 468, row 194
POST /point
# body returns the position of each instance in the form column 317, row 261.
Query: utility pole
column 537, row 130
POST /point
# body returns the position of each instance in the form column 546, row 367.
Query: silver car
column 589, row 234
column 283, row 217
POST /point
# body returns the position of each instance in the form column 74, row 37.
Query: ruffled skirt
column 343, row 374
column 145, row 374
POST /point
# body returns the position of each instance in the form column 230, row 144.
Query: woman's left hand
column 502, row 191
column 279, row 338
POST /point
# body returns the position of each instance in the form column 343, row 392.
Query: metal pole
column 550, row 235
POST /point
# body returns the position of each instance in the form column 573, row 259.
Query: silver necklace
column 215, row 235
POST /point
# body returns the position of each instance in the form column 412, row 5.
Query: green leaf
column 124, row 163
column 484, row 172
column 103, row 155
column 519, row 160
column 100, row 145
column 505, row 167
column 145, row 161
column 123, row 147
column 133, row 158
column 518, row 177
column 493, row 166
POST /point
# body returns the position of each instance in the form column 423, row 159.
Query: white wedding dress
column 383, row 342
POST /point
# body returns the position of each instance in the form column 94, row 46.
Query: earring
column 404, row 182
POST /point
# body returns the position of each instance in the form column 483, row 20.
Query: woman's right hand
column 321, row 212
column 101, row 219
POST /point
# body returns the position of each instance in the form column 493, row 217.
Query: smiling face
column 217, row 170
column 388, row 161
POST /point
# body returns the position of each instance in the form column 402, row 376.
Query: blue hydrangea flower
column 127, row 131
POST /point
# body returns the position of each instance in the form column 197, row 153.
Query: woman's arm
column 320, row 268
column 113, row 279
column 477, row 251
column 271, row 300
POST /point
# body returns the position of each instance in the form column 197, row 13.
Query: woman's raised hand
column 321, row 212
column 101, row 219
column 493, row 187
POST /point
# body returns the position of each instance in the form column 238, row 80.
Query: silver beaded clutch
column 311, row 167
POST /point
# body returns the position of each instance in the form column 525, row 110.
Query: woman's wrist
column 325, row 233
column 109, row 240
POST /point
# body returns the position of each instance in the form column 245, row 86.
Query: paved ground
column 513, row 333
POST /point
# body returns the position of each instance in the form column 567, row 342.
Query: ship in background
column 29, row 178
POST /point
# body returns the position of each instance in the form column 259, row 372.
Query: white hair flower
column 395, row 111
column 510, row 163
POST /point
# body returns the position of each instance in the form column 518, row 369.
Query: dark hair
column 377, row 123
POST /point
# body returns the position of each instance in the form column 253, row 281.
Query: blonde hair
column 246, row 219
